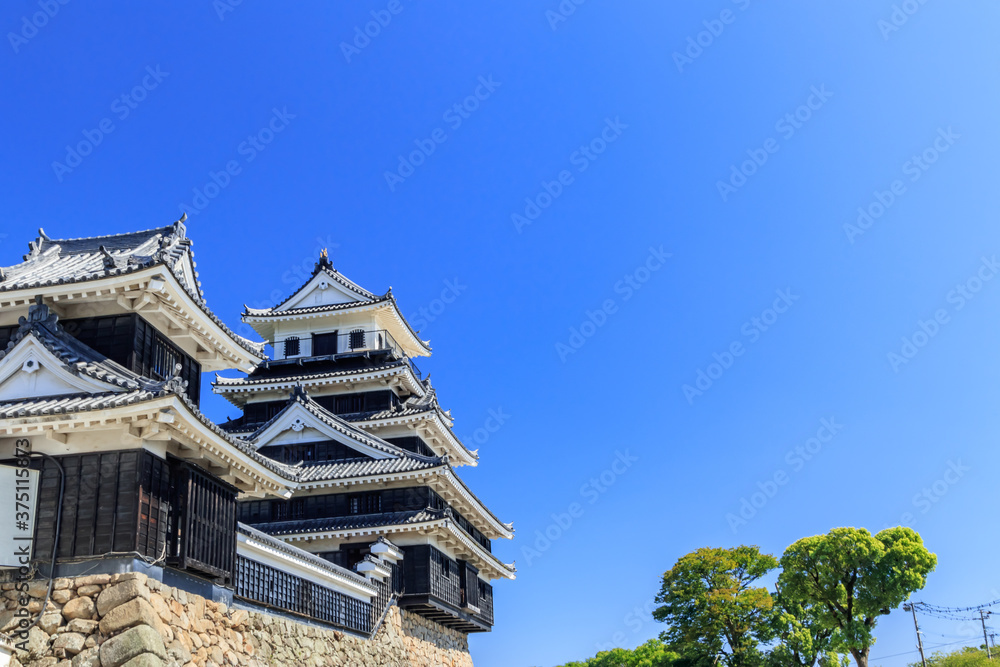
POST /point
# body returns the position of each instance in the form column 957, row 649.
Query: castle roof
column 56, row 267
column 327, row 292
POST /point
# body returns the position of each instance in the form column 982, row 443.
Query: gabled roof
column 58, row 262
column 301, row 405
column 324, row 267
column 68, row 355
column 353, row 297
column 74, row 260
column 127, row 388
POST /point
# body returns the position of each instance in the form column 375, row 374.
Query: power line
column 896, row 655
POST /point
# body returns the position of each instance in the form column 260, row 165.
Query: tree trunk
column 860, row 657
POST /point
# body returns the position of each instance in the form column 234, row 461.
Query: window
column 357, row 339
column 292, row 346
column 324, row 344
column 365, row 503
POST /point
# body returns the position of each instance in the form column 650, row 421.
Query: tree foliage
column 849, row 577
column 715, row 611
column 653, row 653
column 829, row 595
column 968, row 656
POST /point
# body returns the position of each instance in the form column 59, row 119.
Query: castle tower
column 344, row 402
column 102, row 344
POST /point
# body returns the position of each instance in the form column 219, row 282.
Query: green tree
column 850, row 577
column 804, row 638
column 713, row 609
column 653, row 653
column 963, row 657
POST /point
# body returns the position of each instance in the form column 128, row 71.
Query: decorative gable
column 297, row 424
column 321, row 290
column 30, row 370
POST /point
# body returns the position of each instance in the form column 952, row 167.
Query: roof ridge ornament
column 299, row 393
column 180, row 229
column 38, row 315
column 112, row 263
column 175, row 385
column 324, row 260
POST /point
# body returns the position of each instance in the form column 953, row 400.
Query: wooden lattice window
column 293, row 346
column 366, row 503
column 357, row 339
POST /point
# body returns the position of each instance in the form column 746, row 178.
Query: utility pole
column 920, row 643
column 982, row 617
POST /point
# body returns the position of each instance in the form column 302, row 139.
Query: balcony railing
column 340, row 345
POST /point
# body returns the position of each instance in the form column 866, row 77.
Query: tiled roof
column 67, row 261
column 326, row 266
column 300, row 397
column 350, row 522
column 43, row 326
column 296, row 375
column 301, row 554
column 57, row 405
column 51, row 261
column 323, row 471
column 308, row 310
column 413, row 405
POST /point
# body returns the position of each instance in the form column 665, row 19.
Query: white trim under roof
column 258, row 549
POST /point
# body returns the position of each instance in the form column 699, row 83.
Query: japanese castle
column 332, row 496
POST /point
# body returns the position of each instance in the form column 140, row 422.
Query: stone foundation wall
column 129, row 620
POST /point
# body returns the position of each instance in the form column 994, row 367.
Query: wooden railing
column 278, row 589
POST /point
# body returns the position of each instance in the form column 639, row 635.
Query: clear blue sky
column 672, row 130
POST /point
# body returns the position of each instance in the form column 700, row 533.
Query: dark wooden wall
column 138, row 346
column 135, row 502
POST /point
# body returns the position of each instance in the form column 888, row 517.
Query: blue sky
column 741, row 154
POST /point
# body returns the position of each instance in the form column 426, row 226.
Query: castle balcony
column 337, row 345
column 446, row 591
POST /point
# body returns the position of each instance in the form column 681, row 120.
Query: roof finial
column 324, row 259
column 180, row 229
